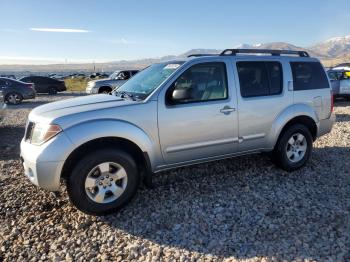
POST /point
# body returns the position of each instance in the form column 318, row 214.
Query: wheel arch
column 102, row 133
column 299, row 113
column 304, row 120
column 141, row 157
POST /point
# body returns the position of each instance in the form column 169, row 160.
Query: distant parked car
column 105, row 86
column 340, row 82
column 15, row 91
column 9, row 76
column 44, row 84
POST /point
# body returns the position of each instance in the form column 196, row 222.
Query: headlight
column 44, row 132
column 91, row 84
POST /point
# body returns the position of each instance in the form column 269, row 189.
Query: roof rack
column 264, row 51
column 197, row 55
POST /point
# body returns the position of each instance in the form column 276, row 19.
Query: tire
column 291, row 157
column 88, row 188
column 52, row 91
column 13, row 98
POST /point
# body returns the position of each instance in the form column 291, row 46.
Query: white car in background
column 105, row 86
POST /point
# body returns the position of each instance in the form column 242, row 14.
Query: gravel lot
column 237, row 209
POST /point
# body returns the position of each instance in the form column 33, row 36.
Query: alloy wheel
column 296, row 147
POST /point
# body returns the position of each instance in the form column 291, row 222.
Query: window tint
column 308, row 75
column 275, row 75
column 335, row 75
column 260, row 78
column 205, row 82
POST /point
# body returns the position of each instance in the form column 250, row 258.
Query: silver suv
column 178, row 113
column 105, row 86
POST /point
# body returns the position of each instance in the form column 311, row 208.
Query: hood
column 105, row 80
column 54, row 110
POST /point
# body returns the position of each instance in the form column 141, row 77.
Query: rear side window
column 308, row 75
column 260, row 78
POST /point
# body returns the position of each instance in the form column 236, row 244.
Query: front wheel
column 103, row 182
column 293, row 148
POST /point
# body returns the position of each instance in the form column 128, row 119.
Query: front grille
column 29, row 130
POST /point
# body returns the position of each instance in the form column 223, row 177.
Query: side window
column 126, row 75
column 333, row 75
column 37, row 80
column 308, row 75
column 260, row 78
column 201, row 82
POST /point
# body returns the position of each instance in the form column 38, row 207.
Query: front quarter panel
column 135, row 122
column 87, row 131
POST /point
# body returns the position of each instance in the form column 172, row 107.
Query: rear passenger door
column 311, row 86
column 262, row 96
column 39, row 85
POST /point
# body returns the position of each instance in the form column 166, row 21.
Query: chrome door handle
column 226, row 110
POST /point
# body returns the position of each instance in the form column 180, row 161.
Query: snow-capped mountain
column 333, row 47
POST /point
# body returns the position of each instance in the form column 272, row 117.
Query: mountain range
column 330, row 52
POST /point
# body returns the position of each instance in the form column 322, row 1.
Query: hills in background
column 330, row 52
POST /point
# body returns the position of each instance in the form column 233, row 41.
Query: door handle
column 226, row 110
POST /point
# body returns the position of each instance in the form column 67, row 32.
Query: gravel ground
column 237, row 209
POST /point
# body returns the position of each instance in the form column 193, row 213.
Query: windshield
column 143, row 83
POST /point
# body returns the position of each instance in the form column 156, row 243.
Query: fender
column 86, row 131
column 285, row 116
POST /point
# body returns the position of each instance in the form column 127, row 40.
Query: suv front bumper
column 43, row 164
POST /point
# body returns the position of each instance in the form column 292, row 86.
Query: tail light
column 30, row 85
column 332, row 102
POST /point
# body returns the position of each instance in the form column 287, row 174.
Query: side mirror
column 181, row 95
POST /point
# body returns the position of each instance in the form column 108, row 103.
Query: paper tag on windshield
column 171, row 66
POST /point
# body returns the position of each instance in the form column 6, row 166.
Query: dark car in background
column 46, row 85
column 14, row 91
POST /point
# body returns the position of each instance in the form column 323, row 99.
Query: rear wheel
column 13, row 98
column 103, row 182
column 293, row 148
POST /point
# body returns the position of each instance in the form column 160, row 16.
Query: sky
column 72, row 31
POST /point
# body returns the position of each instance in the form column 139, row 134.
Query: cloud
column 60, row 30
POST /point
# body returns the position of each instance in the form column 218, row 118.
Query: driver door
column 202, row 124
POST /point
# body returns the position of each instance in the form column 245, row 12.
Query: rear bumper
column 29, row 94
column 325, row 125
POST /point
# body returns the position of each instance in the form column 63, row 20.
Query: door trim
column 179, row 148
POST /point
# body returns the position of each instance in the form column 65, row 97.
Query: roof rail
column 264, row 51
column 197, row 55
